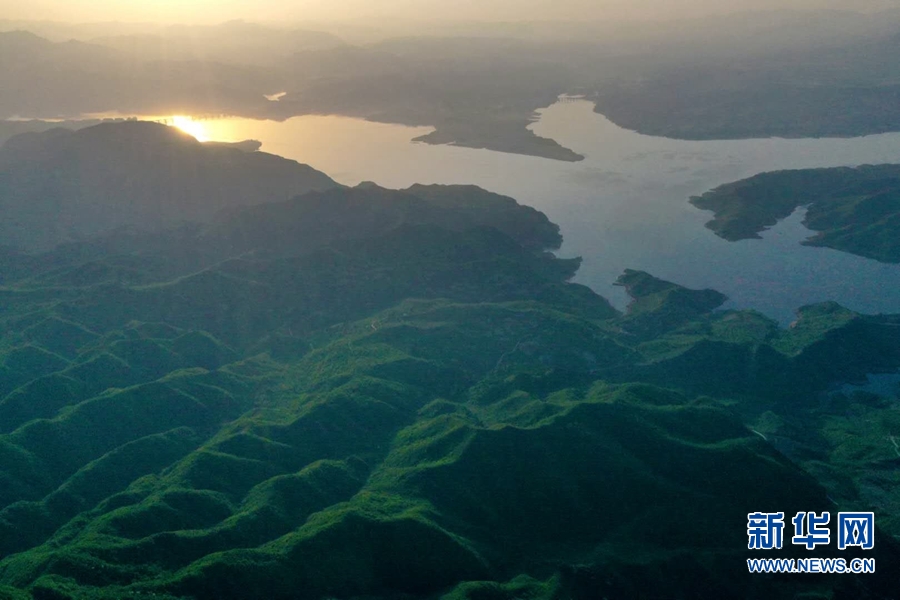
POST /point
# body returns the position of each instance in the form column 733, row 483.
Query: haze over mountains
column 779, row 73
column 491, row 11
column 223, row 375
column 61, row 186
column 234, row 42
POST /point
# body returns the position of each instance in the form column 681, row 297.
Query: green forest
column 371, row 393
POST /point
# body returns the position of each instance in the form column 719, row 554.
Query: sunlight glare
column 191, row 127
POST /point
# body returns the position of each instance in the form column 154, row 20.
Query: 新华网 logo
column 765, row 531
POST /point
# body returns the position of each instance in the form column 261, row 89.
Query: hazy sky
column 510, row 10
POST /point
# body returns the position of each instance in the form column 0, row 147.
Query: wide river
column 625, row 206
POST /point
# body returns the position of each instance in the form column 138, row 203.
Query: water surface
column 624, row 206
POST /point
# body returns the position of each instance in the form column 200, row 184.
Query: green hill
column 851, row 210
column 413, row 402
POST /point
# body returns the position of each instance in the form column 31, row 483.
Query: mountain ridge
column 131, row 173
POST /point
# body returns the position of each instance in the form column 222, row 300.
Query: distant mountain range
column 66, row 79
column 789, row 74
column 234, row 42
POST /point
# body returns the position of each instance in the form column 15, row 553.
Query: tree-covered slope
column 409, row 401
column 852, row 210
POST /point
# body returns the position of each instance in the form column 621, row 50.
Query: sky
column 214, row 11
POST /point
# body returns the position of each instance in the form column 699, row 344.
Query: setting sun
column 191, row 127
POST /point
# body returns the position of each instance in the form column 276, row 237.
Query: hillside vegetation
column 855, row 210
column 366, row 393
